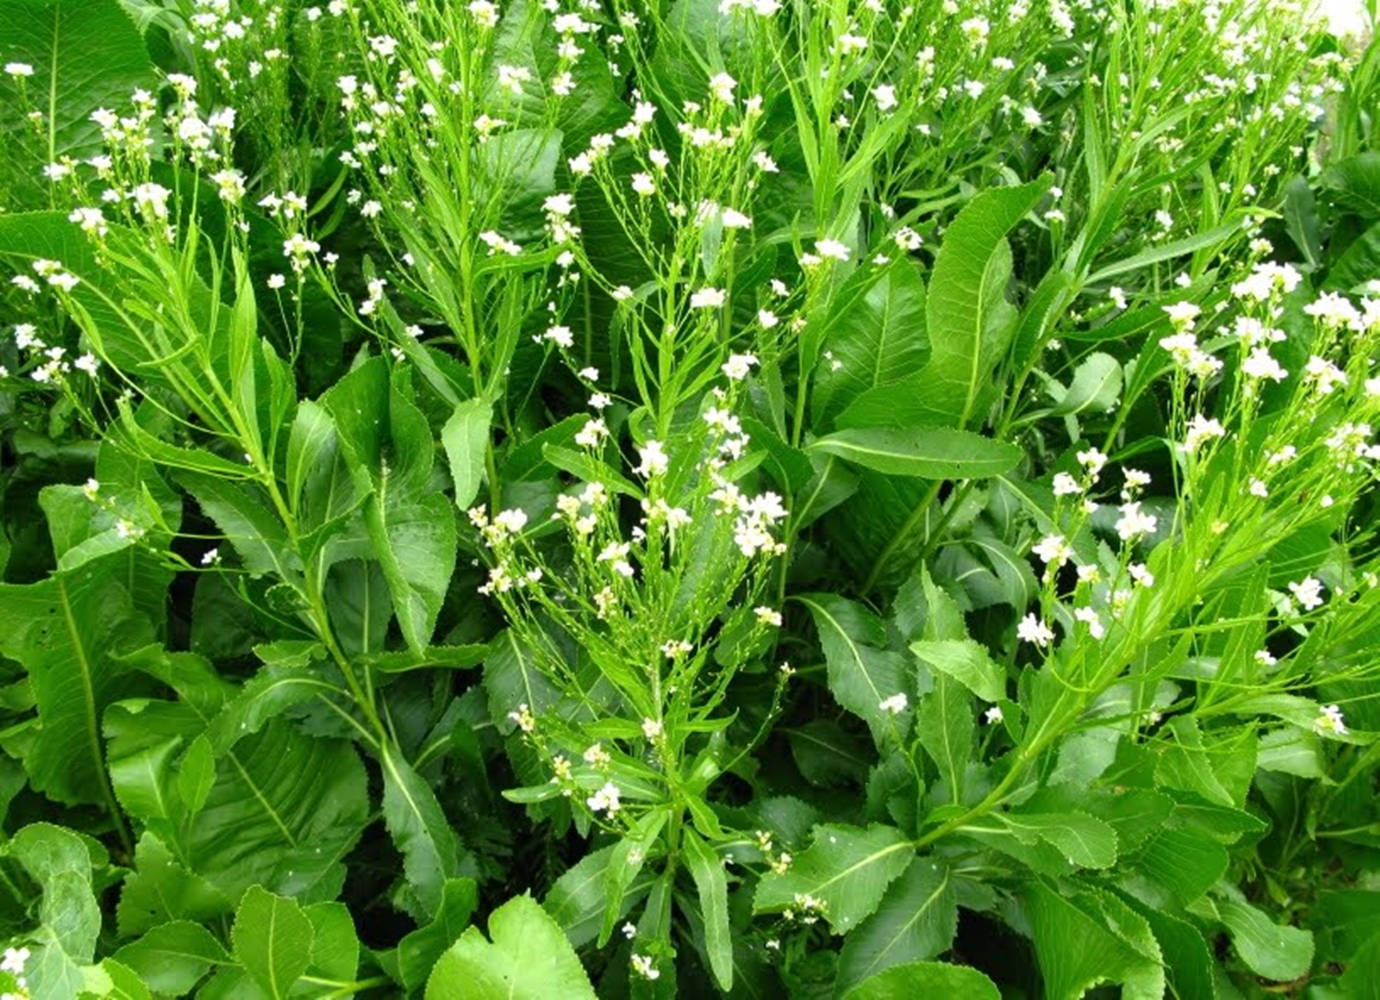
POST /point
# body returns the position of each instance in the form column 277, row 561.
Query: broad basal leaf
column 970, row 322
column 926, row 979
column 916, row 920
column 273, row 940
column 526, row 957
column 863, row 678
column 64, row 631
column 1092, row 938
column 842, row 876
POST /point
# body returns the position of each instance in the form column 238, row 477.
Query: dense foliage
column 767, row 498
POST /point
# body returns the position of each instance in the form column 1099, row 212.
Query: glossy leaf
column 846, row 868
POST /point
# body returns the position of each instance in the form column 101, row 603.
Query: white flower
column 832, row 249
column 1092, row 460
column 16, row 70
column 1201, row 429
column 896, row 704
column 1258, row 489
column 734, row 219
column 1182, row 315
column 1324, row 374
column 1333, row 310
column 1053, row 550
column 15, row 958
column 1330, row 720
column 738, row 366
column 993, row 715
column 87, row 363
column 643, row 184
column 1307, row 592
column 560, row 336
column 1065, row 485
column 885, row 96
column 1260, row 364
column 768, row 616
column 721, row 86
column 1032, row 119
column 1031, row 629
column 524, row 718
column 651, row 728
column 644, row 966
column 1093, row 620
column 1141, row 574
column 708, row 298
column 511, row 521
column 605, row 799
column 653, row 460
column 1134, row 522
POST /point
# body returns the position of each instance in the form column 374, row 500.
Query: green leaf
column 249, row 523
column 69, row 919
column 966, row 662
column 465, row 436
column 525, row 958
column 707, row 870
column 272, row 939
column 879, row 340
column 64, row 631
column 926, row 452
column 160, row 890
column 916, row 920
column 419, row 950
column 334, row 942
column 861, row 675
column 1185, row 862
column 1095, row 387
column 926, row 979
column 944, row 722
column 65, row 42
column 415, row 544
column 1092, row 938
column 577, row 901
column 431, row 852
column 174, row 957
column 970, row 322
column 1167, row 251
column 112, row 980
column 1359, row 262
column 1084, row 840
column 846, row 868
column 1276, row 952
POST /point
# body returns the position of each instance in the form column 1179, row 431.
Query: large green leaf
column 927, row 452
column 273, row 940
column 916, row 920
column 1274, row 951
column 419, row 950
column 862, row 675
column 86, row 54
column 846, row 869
column 525, row 958
column 173, row 958
column 879, row 340
column 965, row 661
column 69, row 920
column 431, row 852
column 64, row 631
column 926, row 979
column 1092, row 938
column 970, row 322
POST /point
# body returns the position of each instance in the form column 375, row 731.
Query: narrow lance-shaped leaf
column 926, row 452
column 707, row 869
column 917, row 920
column 863, row 678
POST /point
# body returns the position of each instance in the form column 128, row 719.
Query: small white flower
column 1093, row 620
column 993, row 715
column 653, row 460
column 1330, row 720
column 768, row 616
column 738, row 366
column 651, row 728
column 896, row 704
column 1202, row 429
column 560, row 336
column 885, row 96
column 1065, row 485
column 644, row 966
column 1134, row 522
column 832, row 249
column 1141, row 574
column 1053, row 550
column 1032, row 629
column 605, row 799
column 708, row 298
column 1307, row 592
column 17, row 70
column 1093, row 461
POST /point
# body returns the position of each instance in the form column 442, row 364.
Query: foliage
column 747, row 498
